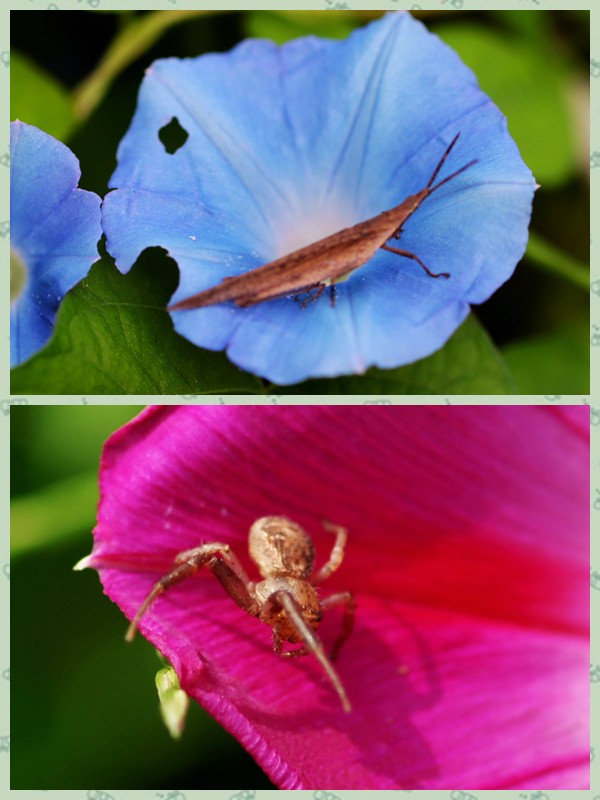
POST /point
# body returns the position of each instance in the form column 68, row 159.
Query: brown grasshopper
column 315, row 266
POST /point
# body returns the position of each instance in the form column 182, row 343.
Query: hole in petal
column 18, row 275
column 173, row 136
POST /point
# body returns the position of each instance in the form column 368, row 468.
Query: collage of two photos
column 308, row 506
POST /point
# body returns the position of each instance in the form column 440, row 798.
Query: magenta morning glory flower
column 467, row 554
column 287, row 145
column 54, row 233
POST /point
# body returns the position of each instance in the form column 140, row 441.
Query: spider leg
column 337, row 552
column 278, row 644
column 311, row 641
column 222, row 562
column 346, row 598
column 302, row 651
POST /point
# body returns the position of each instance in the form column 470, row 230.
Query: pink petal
column 468, row 555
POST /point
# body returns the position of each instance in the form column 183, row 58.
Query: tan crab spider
column 286, row 599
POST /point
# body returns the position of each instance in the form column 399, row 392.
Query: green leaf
column 37, row 98
column 529, row 84
column 468, row 364
column 552, row 363
column 114, row 336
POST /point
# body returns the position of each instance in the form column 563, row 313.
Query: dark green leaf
column 113, row 336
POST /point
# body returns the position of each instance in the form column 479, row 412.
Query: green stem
column 133, row 40
column 545, row 255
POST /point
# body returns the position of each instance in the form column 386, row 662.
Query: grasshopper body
column 325, row 261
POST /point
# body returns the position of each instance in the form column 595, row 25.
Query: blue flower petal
column 289, row 144
column 55, row 228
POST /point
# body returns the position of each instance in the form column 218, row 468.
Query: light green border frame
column 6, row 400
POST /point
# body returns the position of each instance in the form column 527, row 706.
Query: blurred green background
column 82, row 88
column 84, row 707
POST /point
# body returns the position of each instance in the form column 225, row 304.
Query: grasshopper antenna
column 440, row 165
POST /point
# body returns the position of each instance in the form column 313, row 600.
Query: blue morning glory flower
column 287, row 145
column 54, row 232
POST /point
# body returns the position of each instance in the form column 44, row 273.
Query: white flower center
column 311, row 227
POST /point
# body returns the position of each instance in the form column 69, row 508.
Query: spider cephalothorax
column 286, row 598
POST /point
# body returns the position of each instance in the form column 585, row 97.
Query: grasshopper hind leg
column 408, row 254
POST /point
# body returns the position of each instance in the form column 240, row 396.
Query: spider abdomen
column 279, row 546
